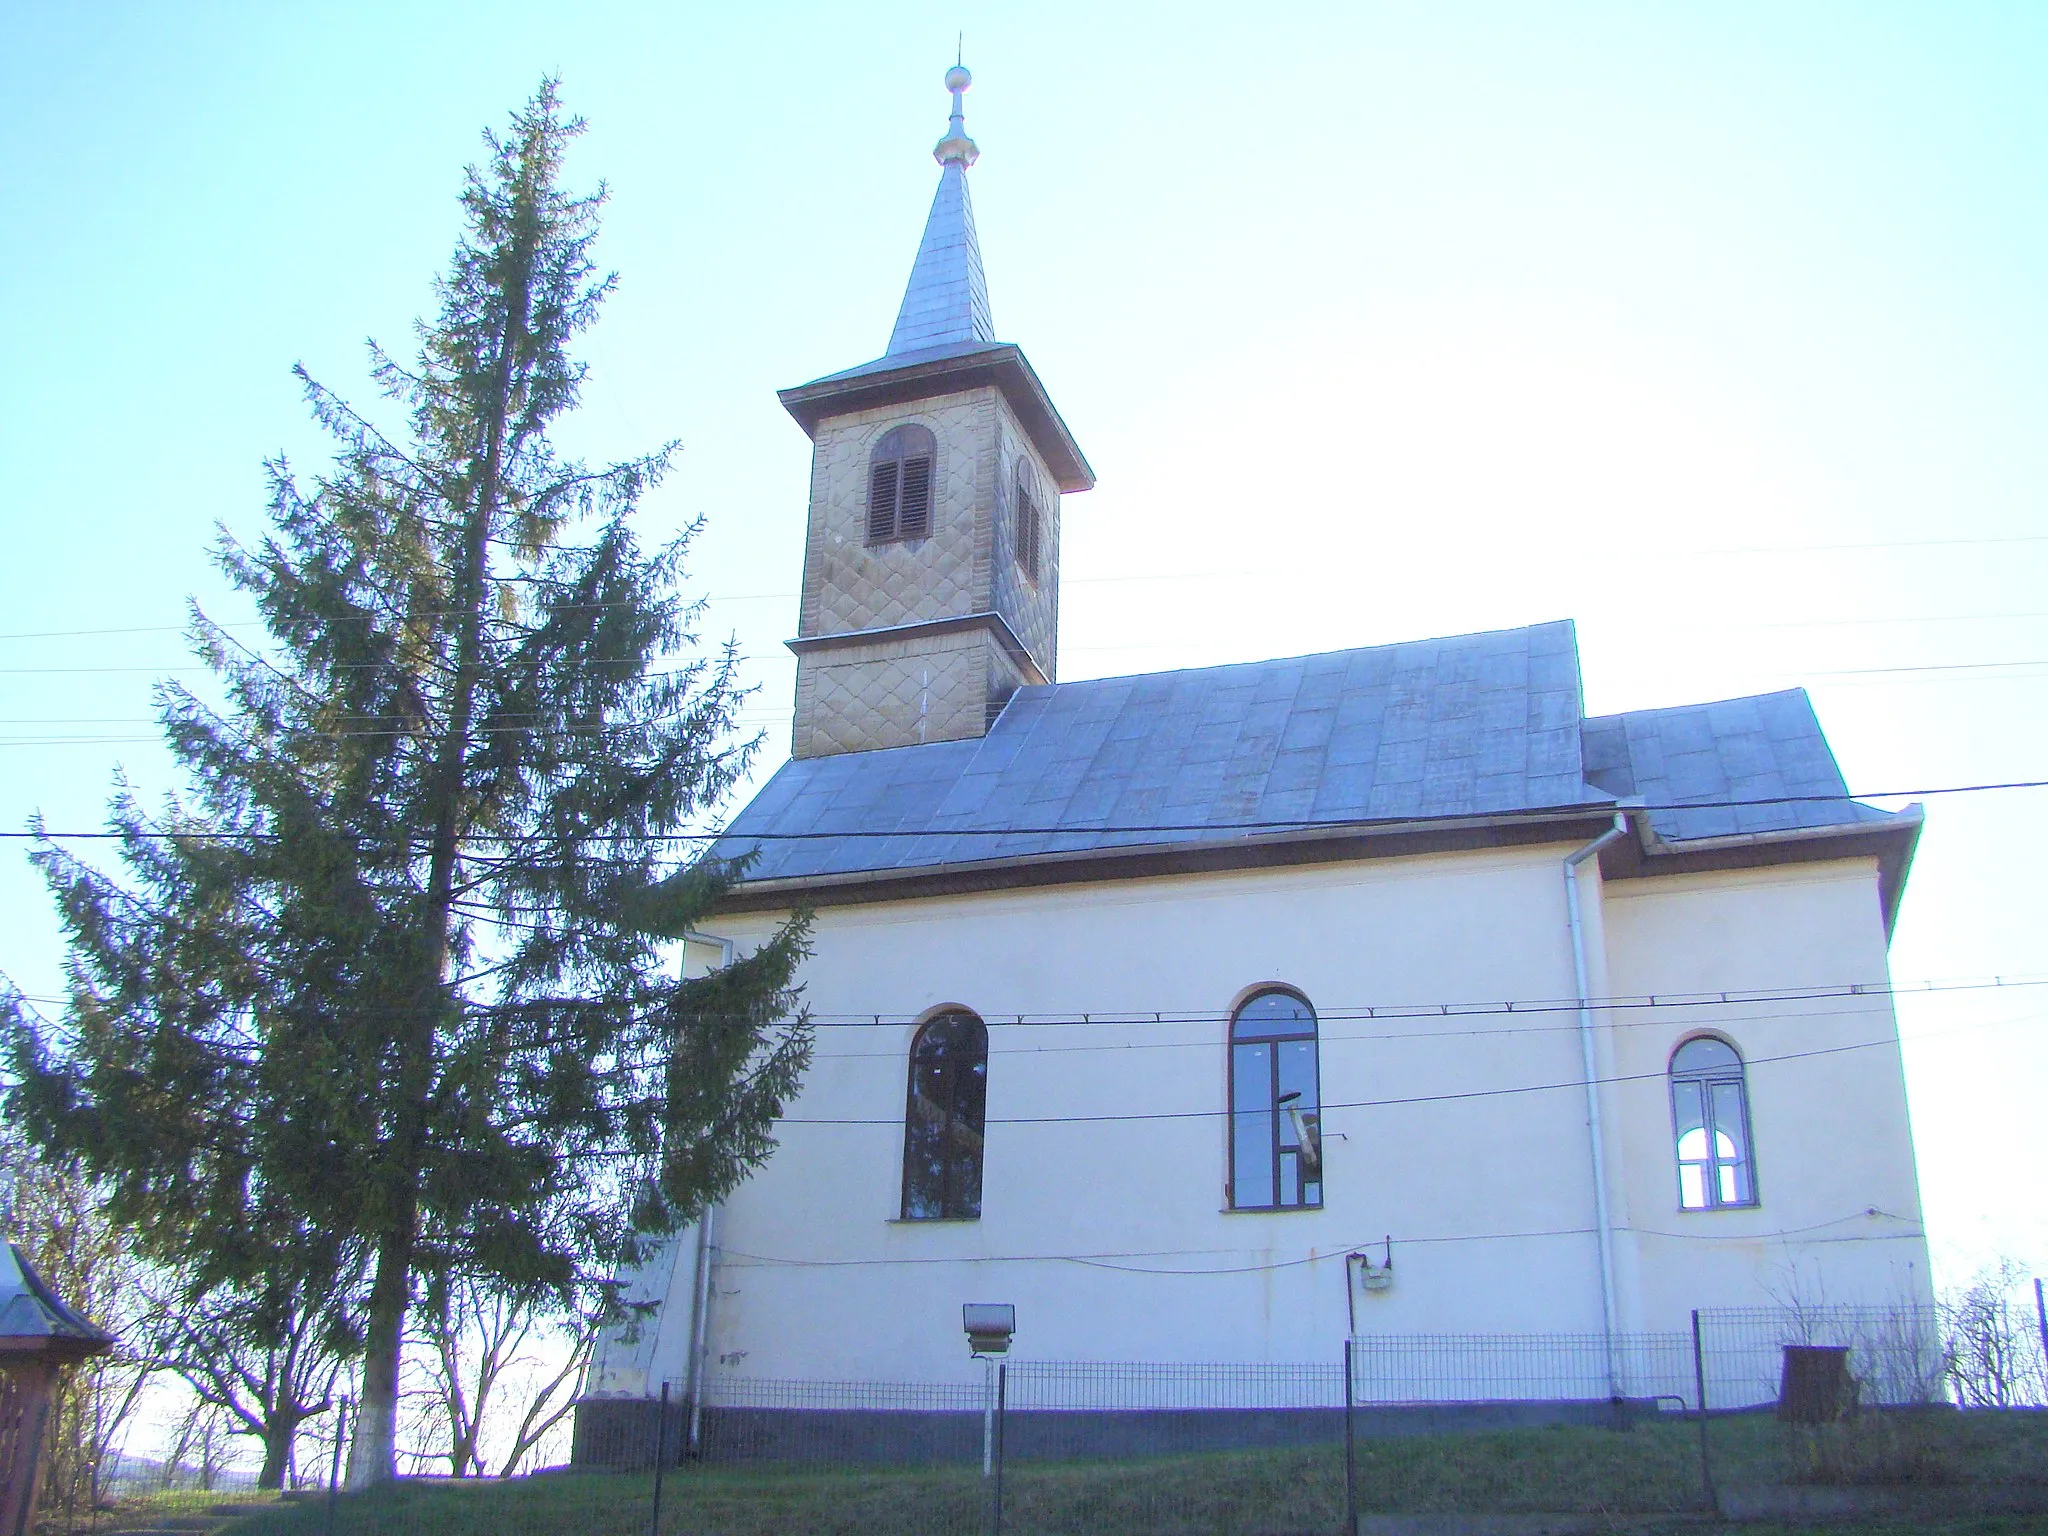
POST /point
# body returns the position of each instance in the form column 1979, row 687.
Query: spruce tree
column 395, row 975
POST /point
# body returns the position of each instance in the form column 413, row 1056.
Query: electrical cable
column 1155, row 578
column 1572, row 1084
column 1327, row 1251
column 1110, row 829
column 1126, row 1018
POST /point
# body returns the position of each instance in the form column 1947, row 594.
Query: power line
column 713, row 656
column 1571, row 1084
column 1804, row 549
column 1328, row 1037
column 1159, row 577
column 1577, row 1084
column 1075, row 1019
column 1109, row 829
column 1355, row 1012
column 1327, row 1251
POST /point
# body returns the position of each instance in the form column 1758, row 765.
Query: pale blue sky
column 1376, row 321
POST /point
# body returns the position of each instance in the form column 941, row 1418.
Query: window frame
column 953, row 1202
column 1704, row 1080
column 1279, row 1145
column 904, row 445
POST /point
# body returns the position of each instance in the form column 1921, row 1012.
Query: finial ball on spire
column 956, row 148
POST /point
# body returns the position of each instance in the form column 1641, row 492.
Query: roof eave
column 1892, row 841
column 1309, row 845
column 1002, row 365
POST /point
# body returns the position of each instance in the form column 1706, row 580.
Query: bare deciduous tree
column 1992, row 1349
column 53, row 1213
column 266, row 1362
column 503, row 1366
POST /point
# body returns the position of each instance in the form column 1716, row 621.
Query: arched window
column 943, row 1124
column 1710, row 1118
column 1275, row 1105
column 900, row 485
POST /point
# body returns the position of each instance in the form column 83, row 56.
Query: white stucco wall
column 1838, row 1218
column 1461, row 1134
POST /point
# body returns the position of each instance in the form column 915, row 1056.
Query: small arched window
column 1710, row 1118
column 1275, row 1105
column 900, row 485
column 944, row 1122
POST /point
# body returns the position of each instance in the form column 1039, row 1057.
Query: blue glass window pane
column 1298, row 1070
column 1271, row 1014
column 1706, row 1057
column 1252, row 1151
column 1251, row 1077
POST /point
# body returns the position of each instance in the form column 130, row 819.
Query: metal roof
column 1467, row 725
column 1716, row 759
column 946, row 302
column 32, row 1317
column 1428, row 728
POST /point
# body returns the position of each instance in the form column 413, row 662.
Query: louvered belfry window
column 900, row 485
column 1029, row 535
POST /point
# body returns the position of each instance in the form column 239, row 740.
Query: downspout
column 700, row 1310
column 1580, row 972
column 699, row 1329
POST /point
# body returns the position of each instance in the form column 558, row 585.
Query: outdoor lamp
column 989, row 1325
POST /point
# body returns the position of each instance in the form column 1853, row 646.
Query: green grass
column 148, row 1511
column 1650, row 1470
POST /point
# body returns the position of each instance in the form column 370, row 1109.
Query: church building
column 1217, row 1015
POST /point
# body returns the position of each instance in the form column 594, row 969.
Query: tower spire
column 946, row 302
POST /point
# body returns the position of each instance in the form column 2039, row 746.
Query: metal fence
column 1895, row 1355
column 1535, row 1370
column 841, row 1422
column 1644, row 1424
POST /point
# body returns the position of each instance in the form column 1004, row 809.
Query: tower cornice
column 914, row 376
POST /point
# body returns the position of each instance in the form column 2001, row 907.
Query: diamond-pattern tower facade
column 931, row 565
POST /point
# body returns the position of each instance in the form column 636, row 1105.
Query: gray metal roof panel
column 1486, row 723
column 1757, row 764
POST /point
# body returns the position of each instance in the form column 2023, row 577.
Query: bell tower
column 931, row 564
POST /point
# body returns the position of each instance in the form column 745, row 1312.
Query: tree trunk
column 373, row 1451
column 279, row 1434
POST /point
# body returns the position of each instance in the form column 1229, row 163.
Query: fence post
column 660, row 1460
column 988, row 1416
column 334, row 1464
column 1699, row 1382
column 2041, row 1315
column 1350, row 1451
column 1002, row 1422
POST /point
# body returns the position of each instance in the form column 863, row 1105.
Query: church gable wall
column 1825, row 1079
